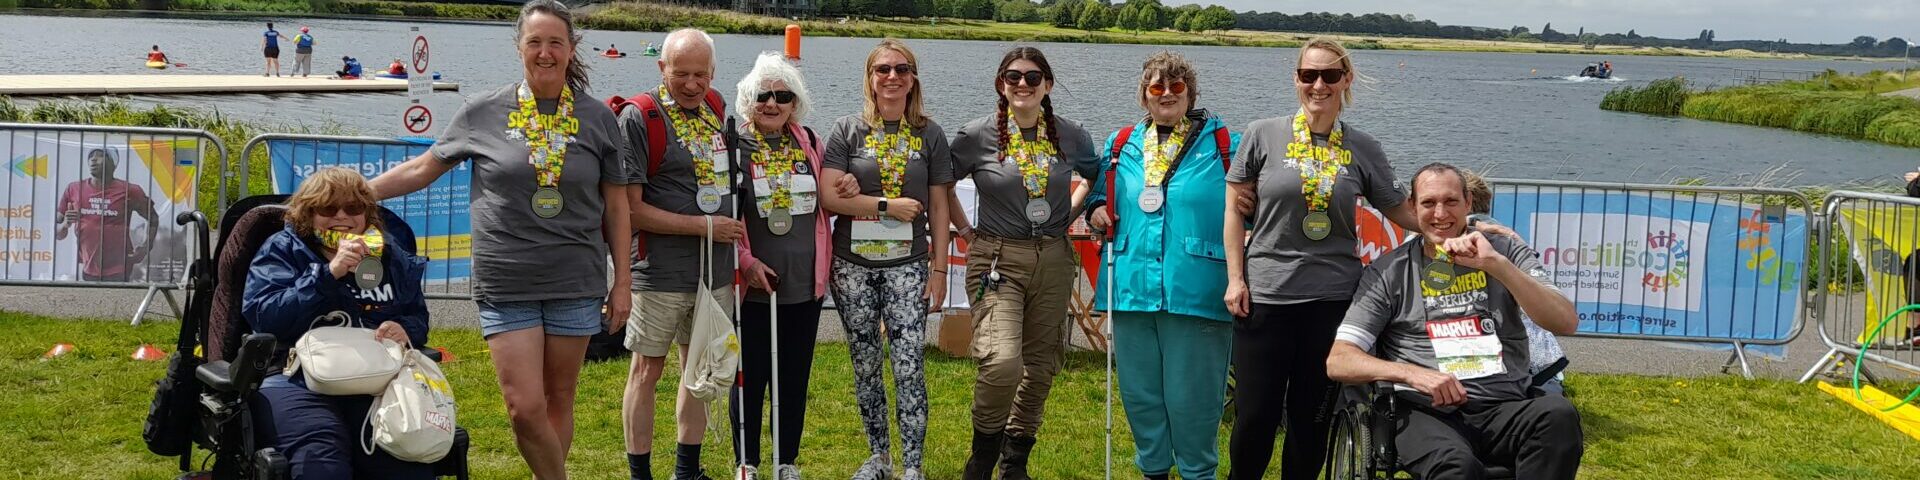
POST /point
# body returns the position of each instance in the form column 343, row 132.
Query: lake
column 1516, row 115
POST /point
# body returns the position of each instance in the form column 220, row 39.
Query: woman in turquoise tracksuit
column 1172, row 340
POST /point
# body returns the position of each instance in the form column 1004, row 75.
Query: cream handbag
column 345, row 361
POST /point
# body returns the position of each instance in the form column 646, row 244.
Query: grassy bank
column 1846, row 105
column 82, row 412
column 233, row 134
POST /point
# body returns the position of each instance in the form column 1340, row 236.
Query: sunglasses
column 1157, row 89
column 1329, row 75
column 903, row 69
column 332, row 210
column 782, row 97
column 1012, row 77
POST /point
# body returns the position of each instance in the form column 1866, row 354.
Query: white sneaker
column 876, row 468
column 786, row 472
column 747, row 472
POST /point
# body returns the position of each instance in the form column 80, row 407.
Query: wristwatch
column 883, row 207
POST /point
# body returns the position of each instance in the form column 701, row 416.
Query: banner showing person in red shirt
column 98, row 210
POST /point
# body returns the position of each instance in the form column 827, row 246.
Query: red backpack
column 657, row 135
column 1222, row 139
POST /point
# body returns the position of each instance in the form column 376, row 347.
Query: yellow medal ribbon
column 696, row 134
column 547, row 136
column 1033, row 174
column 1159, row 157
column 1319, row 166
column 376, row 242
column 891, row 150
column 778, row 167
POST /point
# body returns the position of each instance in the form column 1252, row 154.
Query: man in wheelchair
column 1444, row 314
column 331, row 266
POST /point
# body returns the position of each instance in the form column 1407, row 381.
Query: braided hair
column 1046, row 103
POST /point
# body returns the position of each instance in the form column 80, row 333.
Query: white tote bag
column 713, row 356
column 414, row 419
column 344, row 361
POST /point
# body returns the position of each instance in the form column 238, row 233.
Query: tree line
column 1151, row 15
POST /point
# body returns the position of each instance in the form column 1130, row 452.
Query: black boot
column 986, row 453
column 1013, row 459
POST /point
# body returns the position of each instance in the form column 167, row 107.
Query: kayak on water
column 613, row 55
column 157, row 65
column 436, row 75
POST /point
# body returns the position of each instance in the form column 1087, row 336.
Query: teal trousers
column 1173, row 384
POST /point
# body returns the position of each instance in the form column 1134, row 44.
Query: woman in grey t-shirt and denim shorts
column 1305, row 171
column 542, row 226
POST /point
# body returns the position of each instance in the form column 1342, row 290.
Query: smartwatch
column 883, row 207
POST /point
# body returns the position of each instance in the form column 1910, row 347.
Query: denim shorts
column 572, row 317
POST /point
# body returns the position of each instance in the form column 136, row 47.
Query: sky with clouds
column 1798, row 21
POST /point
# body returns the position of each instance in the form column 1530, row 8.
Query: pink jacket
column 822, row 224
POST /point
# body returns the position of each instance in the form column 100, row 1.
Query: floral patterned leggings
column 867, row 297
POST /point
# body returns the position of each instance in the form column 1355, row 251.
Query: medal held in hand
column 547, row 137
column 1320, row 169
column 370, row 272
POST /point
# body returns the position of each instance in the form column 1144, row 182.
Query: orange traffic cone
column 147, row 352
column 58, row 350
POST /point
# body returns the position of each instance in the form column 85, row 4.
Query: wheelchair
column 235, row 360
column 1360, row 438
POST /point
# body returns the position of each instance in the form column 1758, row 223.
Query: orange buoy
column 793, row 42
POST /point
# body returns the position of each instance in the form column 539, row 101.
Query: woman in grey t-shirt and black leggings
column 549, row 202
column 1304, row 171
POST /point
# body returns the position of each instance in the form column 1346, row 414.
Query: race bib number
column 873, row 240
column 1466, row 347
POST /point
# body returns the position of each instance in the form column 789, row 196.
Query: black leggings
column 1280, row 362
column 799, row 326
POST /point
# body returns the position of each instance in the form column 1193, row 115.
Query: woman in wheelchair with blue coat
column 333, row 265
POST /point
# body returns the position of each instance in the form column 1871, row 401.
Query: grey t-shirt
column 1003, row 193
column 672, row 262
column 790, row 255
column 1398, row 317
column 931, row 165
column 1283, row 265
column 518, row 256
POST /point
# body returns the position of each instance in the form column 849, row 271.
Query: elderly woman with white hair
column 784, row 258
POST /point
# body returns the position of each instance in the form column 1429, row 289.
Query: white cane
column 773, row 322
column 1107, row 259
column 732, row 139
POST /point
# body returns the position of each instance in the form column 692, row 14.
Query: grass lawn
column 79, row 416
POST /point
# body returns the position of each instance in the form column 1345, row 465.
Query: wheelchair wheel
column 1348, row 457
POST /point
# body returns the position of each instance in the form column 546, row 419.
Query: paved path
column 1913, row 93
column 1588, row 354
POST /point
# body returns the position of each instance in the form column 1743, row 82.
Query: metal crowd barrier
column 438, row 213
column 1670, row 263
column 1868, row 273
column 68, row 222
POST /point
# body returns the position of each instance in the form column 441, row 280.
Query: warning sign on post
column 420, row 54
column 417, row 119
column 419, row 86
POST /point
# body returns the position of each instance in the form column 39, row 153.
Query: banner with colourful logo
column 88, row 207
column 438, row 214
column 1666, row 264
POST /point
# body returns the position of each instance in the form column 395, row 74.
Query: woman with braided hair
column 1020, row 266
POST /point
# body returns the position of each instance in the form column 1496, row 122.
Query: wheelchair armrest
column 431, row 353
column 244, row 373
column 455, row 463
